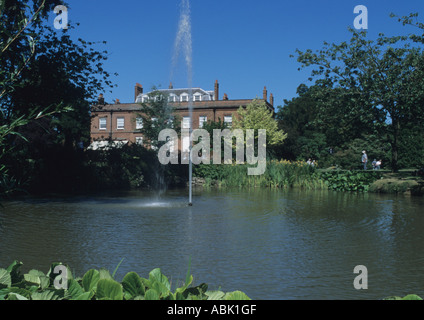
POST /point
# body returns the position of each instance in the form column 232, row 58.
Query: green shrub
column 350, row 180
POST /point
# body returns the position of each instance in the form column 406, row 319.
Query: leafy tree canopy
column 377, row 83
column 257, row 116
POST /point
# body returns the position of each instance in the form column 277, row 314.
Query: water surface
column 271, row 244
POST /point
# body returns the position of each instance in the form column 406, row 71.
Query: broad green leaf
column 147, row 284
column 132, row 284
column 37, row 273
column 3, row 293
column 105, row 274
column 236, row 295
column 37, row 277
column 159, row 282
column 215, row 295
column 32, row 278
column 157, row 275
column 74, row 289
column 84, row 296
column 151, row 294
column 412, row 297
column 21, row 291
column 44, row 295
column 90, row 279
column 44, row 282
column 179, row 296
column 16, row 296
column 110, row 289
column 13, row 269
column 5, row 278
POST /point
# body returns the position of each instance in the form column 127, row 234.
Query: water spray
column 183, row 43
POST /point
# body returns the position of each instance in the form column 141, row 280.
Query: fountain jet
column 183, row 46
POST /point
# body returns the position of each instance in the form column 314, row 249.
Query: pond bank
column 389, row 183
column 399, row 183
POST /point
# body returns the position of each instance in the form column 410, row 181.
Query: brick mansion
column 121, row 122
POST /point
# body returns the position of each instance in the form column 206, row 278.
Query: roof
column 213, row 104
column 206, row 95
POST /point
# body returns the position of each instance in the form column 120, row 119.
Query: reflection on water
column 271, row 244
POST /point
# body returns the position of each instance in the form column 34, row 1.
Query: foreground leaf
column 109, row 289
column 5, row 278
column 90, row 279
column 133, row 285
column 236, row 295
column 412, row 297
column 151, row 294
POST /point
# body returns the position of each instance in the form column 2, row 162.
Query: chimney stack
column 225, row 96
column 271, row 99
column 101, row 99
column 265, row 92
column 117, row 101
column 171, row 86
column 216, row 90
column 138, row 90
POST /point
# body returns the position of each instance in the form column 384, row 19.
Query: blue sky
column 245, row 45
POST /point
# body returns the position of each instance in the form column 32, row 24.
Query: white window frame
column 202, row 121
column 197, row 97
column 138, row 123
column 139, row 140
column 184, row 96
column 103, row 119
column 185, row 144
column 120, row 123
column 185, row 123
column 228, row 120
column 172, row 97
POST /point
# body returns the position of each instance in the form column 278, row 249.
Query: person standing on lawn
column 364, row 159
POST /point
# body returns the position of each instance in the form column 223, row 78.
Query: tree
column 64, row 75
column 18, row 20
column 382, row 79
column 48, row 82
column 17, row 46
column 296, row 118
column 257, row 116
column 157, row 115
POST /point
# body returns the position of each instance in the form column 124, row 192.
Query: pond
column 270, row 244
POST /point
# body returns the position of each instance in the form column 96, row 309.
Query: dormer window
column 197, row 97
column 172, row 98
column 145, row 98
column 184, row 97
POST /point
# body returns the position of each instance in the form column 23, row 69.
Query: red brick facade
column 104, row 124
